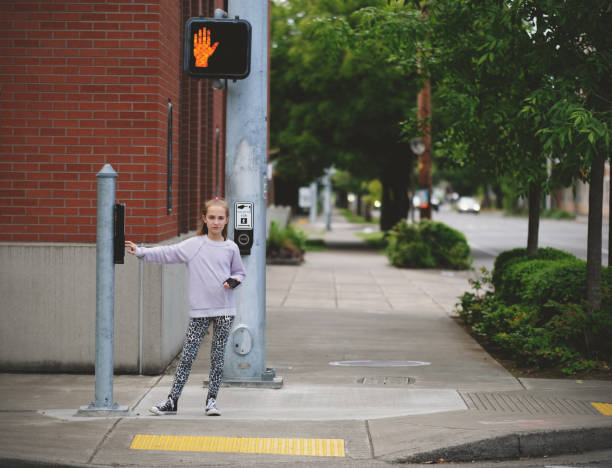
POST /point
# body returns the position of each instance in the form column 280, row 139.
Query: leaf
column 592, row 138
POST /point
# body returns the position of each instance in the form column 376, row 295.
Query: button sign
column 243, row 215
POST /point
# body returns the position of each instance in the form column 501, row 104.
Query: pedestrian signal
column 217, row 48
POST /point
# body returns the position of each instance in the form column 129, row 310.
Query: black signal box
column 217, row 48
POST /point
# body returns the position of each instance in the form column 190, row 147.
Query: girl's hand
column 131, row 247
column 231, row 283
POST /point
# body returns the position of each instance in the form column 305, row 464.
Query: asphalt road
column 491, row 233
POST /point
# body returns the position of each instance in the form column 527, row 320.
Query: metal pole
column 140, row 313
column 327, row 209
column 313, row 203
column 105, row 288
column 246, row 168
column 105, row 298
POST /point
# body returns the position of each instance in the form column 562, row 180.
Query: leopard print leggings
column 193, row 339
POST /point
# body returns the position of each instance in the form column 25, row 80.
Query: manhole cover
column 379, row 363
column 386, row 380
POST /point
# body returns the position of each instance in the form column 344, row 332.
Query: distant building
column 575, row 199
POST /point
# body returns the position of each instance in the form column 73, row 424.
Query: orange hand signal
column 202, row 49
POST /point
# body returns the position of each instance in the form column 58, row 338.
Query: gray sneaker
column 169, row 406
column 211, row 408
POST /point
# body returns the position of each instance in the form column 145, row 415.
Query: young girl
column 214, row 268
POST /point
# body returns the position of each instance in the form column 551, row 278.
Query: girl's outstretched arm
column 181, row 252
column 131, row 247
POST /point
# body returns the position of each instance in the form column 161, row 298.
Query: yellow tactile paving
column 603, row 408
column 263, row 445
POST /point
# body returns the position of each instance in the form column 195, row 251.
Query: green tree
column 529, row 82
column 483, row 66
column 573, row 110
column 342, row 80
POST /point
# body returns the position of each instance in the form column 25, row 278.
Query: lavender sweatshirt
column 209, row 264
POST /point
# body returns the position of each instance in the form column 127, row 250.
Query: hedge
column 534, row 310
column 427, row 244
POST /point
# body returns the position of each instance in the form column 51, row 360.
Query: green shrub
column 537, row 281
column 449, row 247
column 287, row 243
column 355, row 218
column 556, row 213
column 412, row 255
column 537, row 316
column 375, row 240
column 315, row 245
column 509, row 257
column 428, row 244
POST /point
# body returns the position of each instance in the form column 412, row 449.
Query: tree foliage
column 343, row 77
column 524, row 85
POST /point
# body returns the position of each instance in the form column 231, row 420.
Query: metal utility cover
column 374, row 363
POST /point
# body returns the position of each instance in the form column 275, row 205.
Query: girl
column 214, row 268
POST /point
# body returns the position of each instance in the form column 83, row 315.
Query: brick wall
column 88, row 83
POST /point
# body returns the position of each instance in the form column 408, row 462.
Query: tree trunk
column 499, row 196
column 610, row 215
column 341, row 199
column 535, row 193
column 593, row 269
column 486, row 199
column 394, row 197
column 368, row 212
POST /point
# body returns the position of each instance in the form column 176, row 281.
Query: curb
column 506, row 447
column 22, row 463
column 515, row 446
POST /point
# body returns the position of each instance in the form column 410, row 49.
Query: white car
column 468, row 205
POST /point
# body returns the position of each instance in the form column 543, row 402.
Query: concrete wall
column 48, row 310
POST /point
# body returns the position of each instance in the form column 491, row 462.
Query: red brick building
column 89, row 82
column 84, row 83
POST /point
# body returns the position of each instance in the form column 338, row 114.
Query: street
column 491, row 233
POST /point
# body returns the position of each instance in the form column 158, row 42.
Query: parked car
column 468, row 205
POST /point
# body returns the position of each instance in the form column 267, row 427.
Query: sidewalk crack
column 335, row 283
column 289, row 289
column 104, row 439
column 367, row 428
column 161, row 376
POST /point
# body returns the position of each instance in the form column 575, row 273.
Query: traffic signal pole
column 246, row 168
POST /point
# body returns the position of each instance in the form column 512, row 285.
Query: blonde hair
column 214, row 202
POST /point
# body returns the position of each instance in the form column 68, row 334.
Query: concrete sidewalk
column 372, row 362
